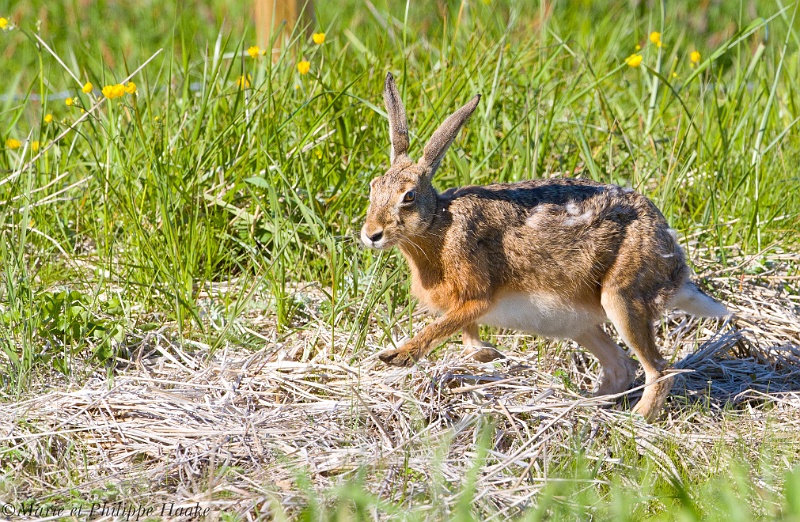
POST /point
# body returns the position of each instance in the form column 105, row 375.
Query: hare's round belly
column 547, row 315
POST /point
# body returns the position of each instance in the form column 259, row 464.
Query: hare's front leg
column 618, row 370
column 457, row 318
column 479, row 350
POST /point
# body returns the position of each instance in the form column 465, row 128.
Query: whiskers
column 421, row 244
column 406, row 240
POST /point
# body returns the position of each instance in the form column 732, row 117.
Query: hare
column 554, row 257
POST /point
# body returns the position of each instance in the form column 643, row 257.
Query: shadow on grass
column 733, row 370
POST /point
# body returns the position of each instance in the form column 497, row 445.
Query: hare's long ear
column 398, row 127
column 445, row 134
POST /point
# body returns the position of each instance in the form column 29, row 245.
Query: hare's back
column 552, row 210
column 532, row 193
column 564, row 233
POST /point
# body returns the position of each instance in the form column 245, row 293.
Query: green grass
column 132, row 219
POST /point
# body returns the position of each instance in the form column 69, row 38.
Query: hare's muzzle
column 372, row 237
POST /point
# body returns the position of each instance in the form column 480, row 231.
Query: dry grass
column 242, row 432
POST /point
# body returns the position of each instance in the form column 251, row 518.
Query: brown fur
column 555, row 256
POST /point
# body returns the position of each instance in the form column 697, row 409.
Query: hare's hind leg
column 634, row 323
column 618, row 370
column 479, row 350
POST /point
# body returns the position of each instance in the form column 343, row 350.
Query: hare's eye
column 409, row 197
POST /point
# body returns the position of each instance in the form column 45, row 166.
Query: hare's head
column 402, row 202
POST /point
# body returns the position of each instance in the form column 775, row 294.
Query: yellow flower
column 87, row 87
column 69, row 102
column 634, row 60
column 3, row 23
column 114, row 91
column 694, row 57
column 638, row 47
column 130, row 87
column 48, row 118
column 319, row 38
column 318, row 153
column 303, row 67
column 243, row 82
column 674, row 75
column 35, row 146
column 253, row 51
column 655, row 38
column 11, row 143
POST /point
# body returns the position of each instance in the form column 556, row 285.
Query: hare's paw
column 477, row 349
column 647, row 409
column 397, row 357
column 486, row 354
column 616, row 377
column 653, row 399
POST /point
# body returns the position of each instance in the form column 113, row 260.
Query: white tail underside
column 690, row 299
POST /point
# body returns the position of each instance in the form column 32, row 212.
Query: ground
column 272, row 431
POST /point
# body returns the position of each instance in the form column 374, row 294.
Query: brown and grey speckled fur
column 554, row 257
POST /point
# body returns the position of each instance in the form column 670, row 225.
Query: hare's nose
column 371, row 237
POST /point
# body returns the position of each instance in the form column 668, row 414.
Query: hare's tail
column 691, row 299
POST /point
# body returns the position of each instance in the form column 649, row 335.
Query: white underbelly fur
column 543, row 314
